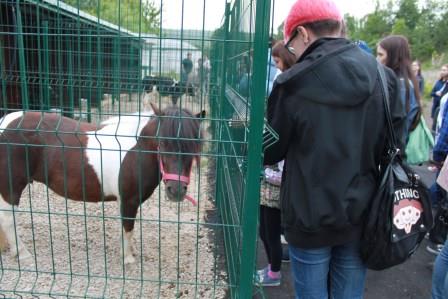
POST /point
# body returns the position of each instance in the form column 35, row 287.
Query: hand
column 434, row 166
column 438, row 93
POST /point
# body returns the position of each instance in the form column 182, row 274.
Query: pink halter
column 175, row 177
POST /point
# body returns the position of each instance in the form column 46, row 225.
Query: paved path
column 411, row 280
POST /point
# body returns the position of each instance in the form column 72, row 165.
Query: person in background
column 417, row 69
column 364, row 46
column 328, row 112
column 270, row 216
column 203, row 73
column 437, row 193
column 439, row 117
column 243, row 77
column 282, row 58
column 199, row 73
column 187, row 67
column 393, row 51
column 272, row 70
column 206, row 75
column 439, row 89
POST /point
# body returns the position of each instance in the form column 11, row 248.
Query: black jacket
column 328, row 112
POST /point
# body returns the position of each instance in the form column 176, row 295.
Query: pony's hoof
column 129, row 260
column 25, row 258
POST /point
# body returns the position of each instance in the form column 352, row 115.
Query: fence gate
column 101, row 113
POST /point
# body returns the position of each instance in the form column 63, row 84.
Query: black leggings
column 270, row 231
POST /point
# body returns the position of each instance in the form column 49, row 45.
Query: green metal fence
column 241, row 102
column 91, row 61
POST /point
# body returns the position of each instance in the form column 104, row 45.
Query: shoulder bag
column 400, row 213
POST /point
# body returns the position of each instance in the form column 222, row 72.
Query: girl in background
column 438, row 91
column 270, row 219
column 417, row 68
column 393, row 51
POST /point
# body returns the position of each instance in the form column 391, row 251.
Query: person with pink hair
column 329, row 114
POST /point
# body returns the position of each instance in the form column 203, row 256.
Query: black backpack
column 400, row 213
column 439, row 232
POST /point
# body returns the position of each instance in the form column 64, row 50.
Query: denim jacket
column 413, row 104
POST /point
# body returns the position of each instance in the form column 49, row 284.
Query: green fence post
column 222, row 93
column 59, row 59
column 116, row 68
column 78, row 64
column 3, row 76
column 22, row 63
column 90, row 71
column 46, row 65
column 99, row 70
column 252, row 188
column 70, row 74
column 39, row 59
column 150, row 60
column 224, row 199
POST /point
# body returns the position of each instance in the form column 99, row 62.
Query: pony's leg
column 128, row 247
column 128, row 211
column 146, row 101
column 3, row 242
column 7, row 225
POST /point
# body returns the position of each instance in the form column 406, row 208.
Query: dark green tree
column 441, row 32
column 426, row 26
column 423, row 36
column 408, row 12
column 352, row 27
column 279, row 34
column 134, row 15
column 400, row 28
column 375, row 26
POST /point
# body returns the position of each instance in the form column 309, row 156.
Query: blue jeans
column 440, row 275
column 437, row 194
column 335, row 271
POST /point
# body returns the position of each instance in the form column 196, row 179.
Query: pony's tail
column 3, row 241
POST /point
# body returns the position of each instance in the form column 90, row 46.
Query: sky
column 193, row 12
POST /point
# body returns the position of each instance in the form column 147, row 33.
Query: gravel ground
column 80, row 243
column 77, row 248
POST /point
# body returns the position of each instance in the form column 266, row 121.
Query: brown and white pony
column 123, row 159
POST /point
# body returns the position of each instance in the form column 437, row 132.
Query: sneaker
column 434, row 248
column 285, row 254
column 283, row 240
column 432, row 168
column 266, row 281
column 262, row 272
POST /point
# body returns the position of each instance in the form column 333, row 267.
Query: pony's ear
column 200, row 114
column 156, row 110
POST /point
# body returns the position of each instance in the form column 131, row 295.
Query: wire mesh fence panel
column 242, row 93
column 130, row 145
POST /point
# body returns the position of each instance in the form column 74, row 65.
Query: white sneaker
column 434, row 248
column 283, row 240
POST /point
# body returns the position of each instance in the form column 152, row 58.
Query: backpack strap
column 385, row 92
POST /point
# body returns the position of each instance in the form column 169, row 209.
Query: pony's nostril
column 185, row 188
column 170, row 189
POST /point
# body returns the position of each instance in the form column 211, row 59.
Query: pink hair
column 309, row 11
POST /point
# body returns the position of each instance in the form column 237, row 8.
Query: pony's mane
column 133, row 118
column 180, row 130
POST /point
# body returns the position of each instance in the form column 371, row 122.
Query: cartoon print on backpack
column 407, row 213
